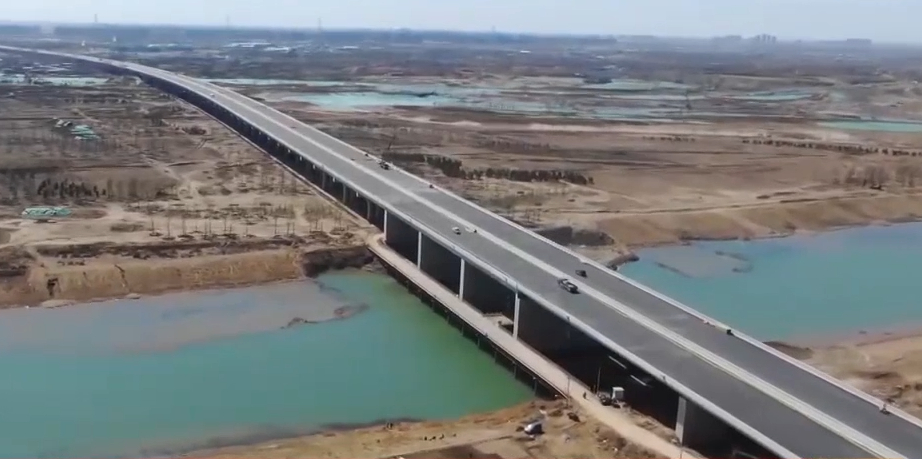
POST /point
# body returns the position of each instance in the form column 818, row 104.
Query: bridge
column 688, row 371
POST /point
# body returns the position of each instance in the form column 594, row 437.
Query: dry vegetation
column 143, row 178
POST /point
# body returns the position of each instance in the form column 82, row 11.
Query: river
column 173, row 373
column 799, row 287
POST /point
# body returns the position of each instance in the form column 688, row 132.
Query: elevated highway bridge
column 705, row 382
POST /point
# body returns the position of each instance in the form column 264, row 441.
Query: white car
column 456, row 230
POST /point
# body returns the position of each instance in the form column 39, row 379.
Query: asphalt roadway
column 792, row 429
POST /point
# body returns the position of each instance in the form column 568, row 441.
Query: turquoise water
column 884, row 126
column 353, row 100
column 55, row 81
column 346, row 101
column 274, row 82
column 786, row 95
column 626, row 84
column 163, row 375
column 802, row 286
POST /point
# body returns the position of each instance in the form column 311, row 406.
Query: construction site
column 109, row 188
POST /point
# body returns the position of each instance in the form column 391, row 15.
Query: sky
column 880, row 20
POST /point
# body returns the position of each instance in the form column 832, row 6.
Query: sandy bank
column 106, row 279
column 633, row 231
column 886, row 364
column 760, row 221
column 495, row 434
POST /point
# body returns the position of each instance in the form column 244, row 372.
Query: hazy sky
column 884, row 20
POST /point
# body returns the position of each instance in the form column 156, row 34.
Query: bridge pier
column 463, row 279
column 439, row 263
column 699, row 430
column 516, row 315
column 487, row 294
column 545, row 332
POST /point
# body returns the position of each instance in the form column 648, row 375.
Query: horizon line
column 781, row 39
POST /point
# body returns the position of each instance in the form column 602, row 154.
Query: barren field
column 158, row 197
column 629, row 186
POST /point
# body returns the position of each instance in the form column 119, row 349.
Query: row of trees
column 877, row 176
column 852, row 149
column 55, row 189
column 454, row 168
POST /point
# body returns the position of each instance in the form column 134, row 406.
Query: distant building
column 764, row 39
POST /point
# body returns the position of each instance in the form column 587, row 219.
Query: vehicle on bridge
column 384, row 165
column 567, row 285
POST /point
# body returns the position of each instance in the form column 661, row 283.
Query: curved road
column 790, row 409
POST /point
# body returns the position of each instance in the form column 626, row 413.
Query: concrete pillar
column 419, row 249
column 461, row 285
column 385, row 225
column 680, row 419
column 698, row 429
column 368, row 209
column 517, row 314
column 323, row 180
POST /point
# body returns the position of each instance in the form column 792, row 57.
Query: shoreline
column 209, row 447
column 102, row 280
column 631, row 255
column 371, row 432
column 636, row 232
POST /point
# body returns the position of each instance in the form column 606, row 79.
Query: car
column 211, row 94
column 384, row 165
column 567, row 285
column 456, row 230
column 581, row 272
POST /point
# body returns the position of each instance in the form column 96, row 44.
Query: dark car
column 581, row 272
column 567, row 285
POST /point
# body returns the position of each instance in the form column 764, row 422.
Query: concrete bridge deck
column 529, row 358
column 792, row 410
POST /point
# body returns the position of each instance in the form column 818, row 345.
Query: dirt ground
column 158, row 190
column 656, row 185
column 493, row 435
